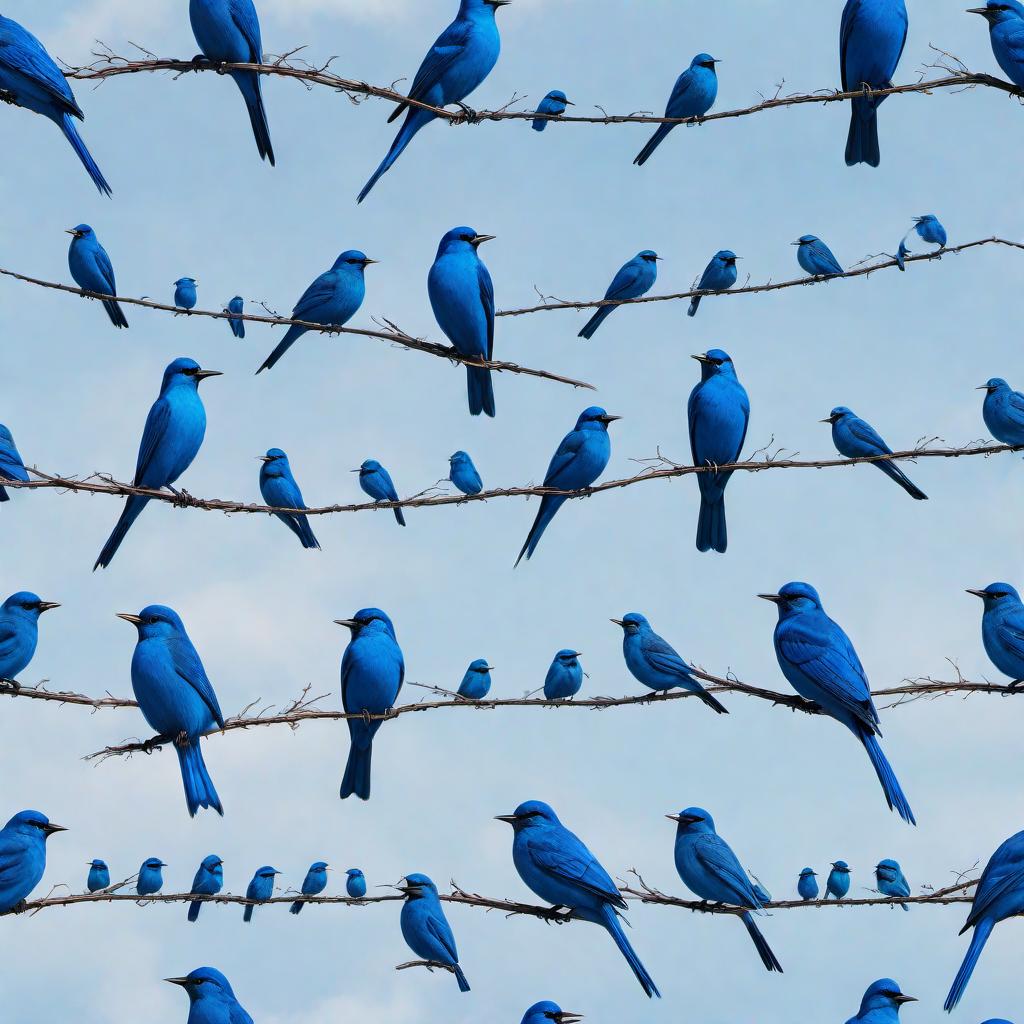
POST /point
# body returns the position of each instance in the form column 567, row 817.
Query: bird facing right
column 693, row 95
column 208, row 881
column 881, row 1003
column 807, row 885
column 151, row 877
column 19, row 632
column 260, row 889
column 838, row 882
column 23, row 856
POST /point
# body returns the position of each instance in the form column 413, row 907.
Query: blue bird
column 372, row 673
column 547, row 1012
column 819, row 661
column 279, row 490
column 693, row 95
column 816, row 257
column 175, row 697
column 331, row 300
column 228, row 32
column 634, row 279
column 565, row 676
column 719, row 412
column 763, row 895
column 901, row 255
column 355, row 883
column 462, row 298
column 995, row 1020
column 185, row 294
column 172, row 437
column 209, row 881
column 890, row 880
column 655, row 663
column 261, row 888
column 555, row 864
column 857, row 439
column 463, row 474
column 871, row 40
column 929, row 229
column 1006, row 33
column 1002, row 629
column 99, row 876
column 23, row 856
column 375, row 480
column 237, row 306
column 476, row 683
column 30, row 78
column 426, row 929
column 462, row 56
column 151, row 877
column 211, row 1000
column 554, row 105
column 12, row 467
column 881, row 1003
column 313, row 884
column 577, row 463
column 1003, row 411
column 838, row 882
column 719, row 276
column 92, row 270
column 807, row 885
column 19, row 632
column 710, row 869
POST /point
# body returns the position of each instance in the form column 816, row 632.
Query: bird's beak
column 183, row 982
column 569, row 103
column 618, row 622
column 978, row 593
column 367, row 262
column 50, row 828
column 488, row 668
column 72, row 232
column 355, row 470
column 796, row 243
column 203, row 374
column 674, row 817
column 901, row 999
column 977, row 10
column 480, row 239
column 606, row 418
column 45, row 606
column 509, row 819
column 775, row 598
column 349, row 623
column 264, row 458
column 982, row 387
column 568, row 1017
column 135, row 620
column 828, row 419
column 701, row 358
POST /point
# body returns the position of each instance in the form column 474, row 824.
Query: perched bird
column 718, row 413
column 228, row 32
column 807, row 886
column 462, row 56
column 30, row 78
column 171, row 439
column 816, row 257
column 634, row 279
column 176, row 697
column 19, row 632
column 881, row 1004
column 209, row 881
column 151, row 876
column 11, row 465
column 355, row 883
column 476, row 683
column 1002, row 629
column 890, row 881
column 375, row 480
column 578, row 461
column 23, row 856
column 555, row 864
column 554, row 105
column 426, row 929
column 693, row 95
column 928, row 229
column 1006, row 33
column 710, row 869
column 655, row 663
column 819, row 661
column 838, row 883
column 99, row 876
column 185, row 294
column 92, row 270
column 857, row 439
column 261, row 888
column 237, row 306
column 762, row 894
column 313, row 884
column 463, row 474
column 211, row 1000
column 279, row 489
column 547, row 1012
column 372, row 673
column 331, row 300
column 565, row 676
column 901, row 255
column 719, row 276
column 1003, row 411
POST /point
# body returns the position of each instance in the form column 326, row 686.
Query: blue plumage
column 807, row 885
column 211, row 1000
column 1006, row 33
column 1003, row 412
column 890, row 880
column 837, row 884
column 23, row 856
column 693, row 95
column 186, row 293
column 237, row 306
column 719, row 276
column 12, row 466
column 313, row 884
column 19, row 632
column 856, row 439
column 375, row 480
column 425, row 927
column 881, row 1003
column 99, row 876
column 815, row 257
column 151, row 876
column 565, row 676
column 463, row 474
column 553, row 105
column 208, row 881
column 1002, row 629
column 634, row 279
column 260, row 889
column 92, row 270
column 279, row 490
column 476, row 683
column 355, row 883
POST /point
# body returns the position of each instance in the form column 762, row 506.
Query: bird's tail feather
column 193, row 910
column 414, row 121
column 656, row 140
column 299, row 525
column 862, row 142
column 694, row 303
column 248, row 83
column 711, row 702
column 356, row 781
column 549, row 505
column 67, row 126
column 609, row 918
column 4, row 496
column 595, row 321
column 712, row 534
column 247, row 913
column 116, row 314
column 132, row 510
column 399, row 517
column 238, row 328
column 294, row 333
column 481, row 391
column 199, row 790
column 295, row 908
column 768, row 958
column 461, row 979
column 981, row 933
column 895, row 473
column 893, row 794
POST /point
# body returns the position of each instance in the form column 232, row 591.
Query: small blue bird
column 375, row 480
column 890, row 880
column 261, row 888
column 655, row 663
column 23, row 856
column 372, row 673
column 634, row 279
column 236, row 306
column 928, row 229
column 99, row 876
column 553, row 105
column 211, row 1000
column 185, row 294
column 718, row 413
column 710, row 869
column 881, row 1003
column 463, row 474
column 693, row 95
column 476, row 683
column 426, row 929
column 556, row 865
column 577, row 463
column 151, row 876
column 819, row 661
column 12, row 467
column 565, row 676
column 313, row 884
column 355, row 883
column 92, row 270
column 331, row 300
column 279, row 490
column 462, row 56
column 208, row 881
column 173, row 435
column 19, row 632
column 547, row 1012
column 719, row 276
column 902, row 253
column 176, row 697
column 1002, row 629
column 30, row 78
column 228, row 32
column 857, row 439
column 1006, row 33
column 807, row 885
column 1003, row 411
column 816, row 257
column 838, row 883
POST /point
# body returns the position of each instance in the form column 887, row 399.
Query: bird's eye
column 151, row 619
column 29, row 605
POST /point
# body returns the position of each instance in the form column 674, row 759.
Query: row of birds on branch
column 889, row 878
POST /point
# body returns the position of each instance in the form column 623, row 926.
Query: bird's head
column 998, row 595
column 994, row 384
column 205, row 983
column 26, row 605
column 318, row 867
column 995, row 12
column 213, row 864
column 806, row 240
column 631, row 623
column 474, row 8
column 275, row 463
column 884, row 994
column 691, row 821
column 185, row 282
column 354, row 873
column 99, row 865
column 547, row 1012
column 462, row 240
column 33, row 825
column 185, row 372
column 368, row 620
column 715, row 362
column 704, row 60
column 726, row 257
column 531, row 814
column 480, row 666
column 369, row 467
column 648, row 256
column 353, row 260
column 595, row 418
column 926, row 218
column 568, row 658
column 81, row 231
column 266, row 872
column 418, row 886
column 887, row 869
column 155, row 621
column 559, row 98
column 808, row 873
column 840, row 867
column 459, row 459
column 153, row 864
column 838, row 413
column 794, row 598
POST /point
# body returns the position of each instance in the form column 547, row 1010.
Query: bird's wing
column 1013, row 40
column 679, row 91
column 703, row 399
column 662, row 655
column 850, row 13
column 441, row 930
column 12, row 853
column 315, row 297
column 23, row 54
column 189, row 667
column 11, row 463
column 1015, row 403
column 487, row 301
column 157, row 422
column 1011, row 633
column 243, row 14
column 560, row 853
column 624, row 282
column 866, row 434
column 564, row 457
column 716, row 857
column 106, row 269
column 237, row 1015
column 9, row 640
column 389, row 486
column 1004, row 873
column 825, row 257
column 448, row 47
